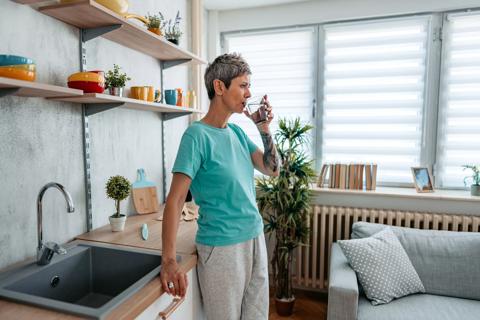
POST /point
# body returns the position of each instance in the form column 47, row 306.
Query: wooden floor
column 308, row 306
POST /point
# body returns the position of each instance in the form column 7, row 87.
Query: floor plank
column 308, row 306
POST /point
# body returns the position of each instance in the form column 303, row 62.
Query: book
column 332, row 176
column 374, row 176
column 368, row 176
column 351, row 176
column 360, row 178
column 322, row 176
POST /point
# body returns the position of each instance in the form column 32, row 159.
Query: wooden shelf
column 35, row 89
column 88, row 14
column 99, row 98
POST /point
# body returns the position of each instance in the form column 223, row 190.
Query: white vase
column 117, row 224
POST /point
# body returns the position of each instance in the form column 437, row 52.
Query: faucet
column 45, row 251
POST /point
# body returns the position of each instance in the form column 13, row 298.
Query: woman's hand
column 174, row 281
column 256, row 117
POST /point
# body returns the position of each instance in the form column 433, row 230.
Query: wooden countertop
column 129, row 237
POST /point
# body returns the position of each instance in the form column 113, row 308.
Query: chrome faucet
column 45, row 251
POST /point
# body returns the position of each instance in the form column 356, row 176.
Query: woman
column 216, row 161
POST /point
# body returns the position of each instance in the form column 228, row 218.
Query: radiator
column 331, row 223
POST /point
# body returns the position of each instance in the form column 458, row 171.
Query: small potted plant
column 155, row 23
column 115, row 81
column 172, row 30
column 475, row 186
column 118, row 189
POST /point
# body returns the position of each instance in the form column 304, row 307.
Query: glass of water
column 255, row 107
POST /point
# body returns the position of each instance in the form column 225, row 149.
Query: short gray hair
column 225, row 68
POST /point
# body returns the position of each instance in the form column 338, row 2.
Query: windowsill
column 409, row 193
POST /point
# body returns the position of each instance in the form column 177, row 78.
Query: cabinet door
column 189, row 309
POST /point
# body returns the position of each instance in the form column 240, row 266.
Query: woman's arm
column 268, row 161
column 171, row 216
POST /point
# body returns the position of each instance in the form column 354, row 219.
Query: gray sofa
column 448, row 263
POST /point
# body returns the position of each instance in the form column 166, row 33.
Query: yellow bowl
column 86, row 76
column 26, row 67
column 19, row 74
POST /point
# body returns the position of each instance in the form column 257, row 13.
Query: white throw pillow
column 382, row 266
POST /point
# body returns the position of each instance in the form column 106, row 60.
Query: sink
column 90, row 280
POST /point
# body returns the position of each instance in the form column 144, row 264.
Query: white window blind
column 282, row 65
column 374, row 81
column 459, row 130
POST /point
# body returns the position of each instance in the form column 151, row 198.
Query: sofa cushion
column 382, row 266
column 447, row 262
column 420, row 307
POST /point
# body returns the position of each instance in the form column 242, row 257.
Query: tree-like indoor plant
column 172, row 30
column 115, row 81
column 155, row 23
column 284, row 202
column 475, row 177
column 117, row 188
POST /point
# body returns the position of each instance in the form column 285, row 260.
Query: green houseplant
column 475, row 178
column 115, row 81
column 284, row 202
column 155, row 23
column 117, row 188
column 172, row 30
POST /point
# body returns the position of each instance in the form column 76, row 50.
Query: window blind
column 459, row 130
column 282, row 65
column 374, row 82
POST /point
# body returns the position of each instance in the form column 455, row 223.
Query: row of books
column 348, row 176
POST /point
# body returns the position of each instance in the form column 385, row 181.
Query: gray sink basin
column 90, row 280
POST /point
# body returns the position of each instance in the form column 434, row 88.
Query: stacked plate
column 17, row 67
column 89, row 82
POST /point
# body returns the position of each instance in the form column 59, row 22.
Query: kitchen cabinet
column 190, row 308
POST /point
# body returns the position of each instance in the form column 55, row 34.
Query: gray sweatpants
column 234, row 280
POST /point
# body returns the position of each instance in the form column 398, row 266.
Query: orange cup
column 140, row 93
column 151, row 93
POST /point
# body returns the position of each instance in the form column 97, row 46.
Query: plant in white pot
column 475, row 186
column 118, row 188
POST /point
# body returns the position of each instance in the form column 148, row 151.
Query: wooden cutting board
column 144, row 194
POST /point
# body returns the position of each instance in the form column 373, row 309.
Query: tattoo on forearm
column 271, row 159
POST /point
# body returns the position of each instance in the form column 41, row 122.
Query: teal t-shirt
column 218, row 160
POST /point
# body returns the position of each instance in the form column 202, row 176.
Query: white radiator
column 331, row 223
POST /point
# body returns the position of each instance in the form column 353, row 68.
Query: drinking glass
column 256, row 108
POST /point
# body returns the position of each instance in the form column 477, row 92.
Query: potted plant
column 155, row 23
column 118, row 189
column 115, row 81
column 172, row 31
column 475, row 186
column 285, row 205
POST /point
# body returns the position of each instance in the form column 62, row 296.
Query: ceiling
column 231, row 4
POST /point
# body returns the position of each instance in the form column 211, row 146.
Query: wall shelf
column 88, row 14
column 23, row 88
column 106, row 102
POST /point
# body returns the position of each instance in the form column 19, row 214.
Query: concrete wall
column 41, row 140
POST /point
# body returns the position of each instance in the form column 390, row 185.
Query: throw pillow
column 383, row 267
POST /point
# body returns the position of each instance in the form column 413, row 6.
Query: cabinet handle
column 176, row 302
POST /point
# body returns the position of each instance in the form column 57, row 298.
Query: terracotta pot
column 155, row 30
column 284, row 307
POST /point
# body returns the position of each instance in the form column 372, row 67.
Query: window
column 459, row 129
column 373, row 95
column 283, row 66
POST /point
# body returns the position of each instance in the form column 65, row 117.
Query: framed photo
column 422, row 179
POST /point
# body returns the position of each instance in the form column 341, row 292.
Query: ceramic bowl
column 87, row 86
column 19, row 74
column 87, row 76
column 26, row 67
column 7, row 60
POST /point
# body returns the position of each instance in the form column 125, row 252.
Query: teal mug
column 171, row 97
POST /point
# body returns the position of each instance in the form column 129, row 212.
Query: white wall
column 41, row 140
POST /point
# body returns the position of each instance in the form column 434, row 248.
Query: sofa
column 448, row 264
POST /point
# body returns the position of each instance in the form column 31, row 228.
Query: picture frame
column 422, row 179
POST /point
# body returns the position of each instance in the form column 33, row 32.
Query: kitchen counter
column 131, row 237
